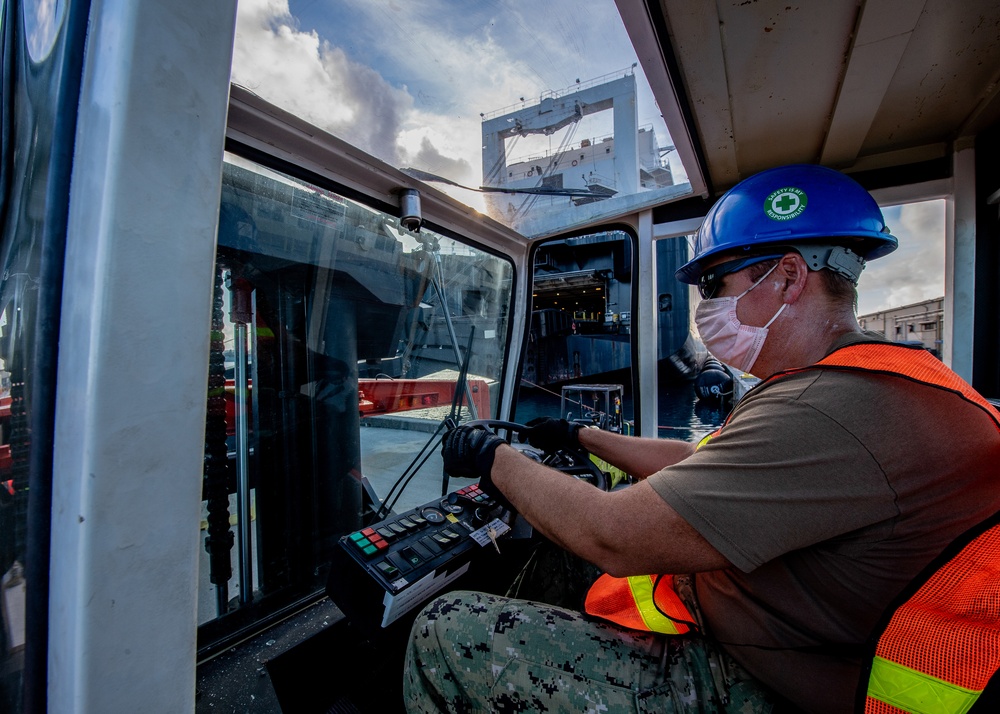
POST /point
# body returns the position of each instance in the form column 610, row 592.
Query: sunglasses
column 711, row 280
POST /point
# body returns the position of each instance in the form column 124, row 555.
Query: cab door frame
column 133, row 355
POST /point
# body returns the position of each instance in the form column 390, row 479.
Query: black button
column 400, row 562
column 411, row 556
column 428, row 543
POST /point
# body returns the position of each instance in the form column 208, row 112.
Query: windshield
column 341, row 344
column 534, row 113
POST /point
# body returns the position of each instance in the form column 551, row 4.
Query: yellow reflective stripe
column 707, row 438
column 642, row 593
column 615, row 474
column 916, row 692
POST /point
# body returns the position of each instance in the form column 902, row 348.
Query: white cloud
column 456, row 69
column 465, row 57
column 915, row 270
column 406, row 81
column 311, row 78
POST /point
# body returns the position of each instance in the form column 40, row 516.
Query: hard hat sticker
column 785, row 203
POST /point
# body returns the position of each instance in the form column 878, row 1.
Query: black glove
column 551, row 435
column 468, row 452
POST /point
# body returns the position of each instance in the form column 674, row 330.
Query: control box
column 384, row 571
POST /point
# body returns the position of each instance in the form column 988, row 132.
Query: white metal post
column 133, row 356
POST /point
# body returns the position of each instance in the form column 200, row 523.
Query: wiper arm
column 535, row 190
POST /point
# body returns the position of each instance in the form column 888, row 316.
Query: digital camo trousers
column 474, row 652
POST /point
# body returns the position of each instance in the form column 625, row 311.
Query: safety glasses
column 711, row 280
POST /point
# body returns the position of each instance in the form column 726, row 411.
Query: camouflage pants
column 473, row 652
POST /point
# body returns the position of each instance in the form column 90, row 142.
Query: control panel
column 383, row 571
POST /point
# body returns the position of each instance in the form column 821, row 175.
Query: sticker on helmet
column 785, row 203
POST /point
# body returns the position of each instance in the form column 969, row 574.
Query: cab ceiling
column 749, row 84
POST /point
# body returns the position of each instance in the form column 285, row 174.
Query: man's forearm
column 592, row 523
column 639, row 457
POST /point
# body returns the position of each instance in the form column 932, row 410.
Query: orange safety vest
column 632, row 602
column 935, row 653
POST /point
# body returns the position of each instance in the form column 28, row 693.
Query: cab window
column 341, row 342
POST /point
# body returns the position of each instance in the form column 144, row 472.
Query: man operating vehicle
column 748, row 570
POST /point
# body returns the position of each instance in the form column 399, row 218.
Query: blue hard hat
column 790, row 205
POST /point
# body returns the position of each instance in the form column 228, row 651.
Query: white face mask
column 725, row 336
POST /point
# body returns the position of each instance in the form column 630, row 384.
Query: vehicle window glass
column 901, row 295
column 694, row 392
column 357, row 339
column 536, row 113
column 42, row 19
column 33, row 85
column 13, row 440
column 582, row 334
column 577, row 361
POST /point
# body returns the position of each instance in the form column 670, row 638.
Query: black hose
column 215, row 487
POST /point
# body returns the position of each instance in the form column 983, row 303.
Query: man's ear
column 794, row 273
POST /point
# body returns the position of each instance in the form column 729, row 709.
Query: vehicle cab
column 231, row 339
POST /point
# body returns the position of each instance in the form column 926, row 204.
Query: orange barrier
column 385, row 396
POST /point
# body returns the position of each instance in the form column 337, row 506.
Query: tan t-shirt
column 828, row 491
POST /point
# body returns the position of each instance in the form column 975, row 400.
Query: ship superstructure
column 579, row 171
column 582, row 313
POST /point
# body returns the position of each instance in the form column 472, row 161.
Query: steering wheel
column 575, row 463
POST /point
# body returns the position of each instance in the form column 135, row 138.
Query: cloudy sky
column 407, row 81
column 915, row 271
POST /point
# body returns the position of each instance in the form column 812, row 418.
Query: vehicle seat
column 937, row 648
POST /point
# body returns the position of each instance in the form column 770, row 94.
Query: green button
column 357, row 536
column 369, row 549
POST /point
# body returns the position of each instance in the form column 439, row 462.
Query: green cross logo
column 785, row 203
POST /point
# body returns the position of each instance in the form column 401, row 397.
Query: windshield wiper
column 602, row 192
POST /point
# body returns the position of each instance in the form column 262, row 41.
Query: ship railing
column 556, row 93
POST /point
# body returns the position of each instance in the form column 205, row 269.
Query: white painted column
column 133, row 356
column 626, row 127
column 646, row 415
column 960, row 266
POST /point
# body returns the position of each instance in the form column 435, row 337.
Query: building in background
column 917, row 323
